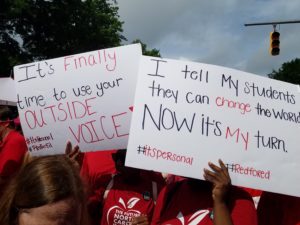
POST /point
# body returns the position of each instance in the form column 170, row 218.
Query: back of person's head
column 119, row 155
column 129, row 173
column 43, row 181
column 6, row 115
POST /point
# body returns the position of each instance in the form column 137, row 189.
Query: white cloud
column 213, row 31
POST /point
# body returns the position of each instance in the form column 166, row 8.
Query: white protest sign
column 7, row 91
column 85, row 98
column 187, row 114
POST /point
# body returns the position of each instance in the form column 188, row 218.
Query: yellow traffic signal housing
column 274, row 43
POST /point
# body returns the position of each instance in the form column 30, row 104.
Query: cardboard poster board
column 85, row 98
column 187, row 114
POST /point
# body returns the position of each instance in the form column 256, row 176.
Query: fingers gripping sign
column 74, row 154
column 220, row 179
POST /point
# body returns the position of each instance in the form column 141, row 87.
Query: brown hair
column 6, row 115
column 44, row 180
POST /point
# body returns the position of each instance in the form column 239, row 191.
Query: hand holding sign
column 220, row 179
column 74, row 154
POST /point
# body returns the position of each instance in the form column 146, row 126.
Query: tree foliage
column 149, row 52
column 41, row 29
column 289, row 72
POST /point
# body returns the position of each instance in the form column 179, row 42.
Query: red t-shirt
column 254, row 193
column 277, row 209
column 184, row 203
column 99, row 162
column 125, row 201
column 96, row 171
column 12, row 151
column 95, row 165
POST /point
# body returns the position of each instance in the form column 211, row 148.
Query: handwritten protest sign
column 7, row 91
column 187, row 114
column 85, row 98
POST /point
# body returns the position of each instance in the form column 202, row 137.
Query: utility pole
column 274, row 36
column 272, row 23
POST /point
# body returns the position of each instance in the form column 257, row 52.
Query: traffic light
column 274, row 43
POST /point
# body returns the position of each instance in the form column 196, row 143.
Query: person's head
column 119, row 159
column 48, row 190
column 5, row 113
column 5, row 119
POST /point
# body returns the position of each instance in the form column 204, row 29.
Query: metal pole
column 272, row 23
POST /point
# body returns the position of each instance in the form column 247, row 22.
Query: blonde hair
column 44, row 180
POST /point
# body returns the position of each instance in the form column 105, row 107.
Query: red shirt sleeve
column 12, row 154
column 243, row 211
column 161, row 203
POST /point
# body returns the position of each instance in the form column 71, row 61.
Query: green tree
column 41, row 29
column 289, row 72
column 149, row 52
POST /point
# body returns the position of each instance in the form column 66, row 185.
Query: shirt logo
column 195, row 219
column 123, row 213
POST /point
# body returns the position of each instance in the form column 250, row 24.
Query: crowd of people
column 97, row 188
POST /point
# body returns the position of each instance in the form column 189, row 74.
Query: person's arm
column 220, row 179
column 12, row 156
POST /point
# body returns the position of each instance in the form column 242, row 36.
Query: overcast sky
column 213, row 31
